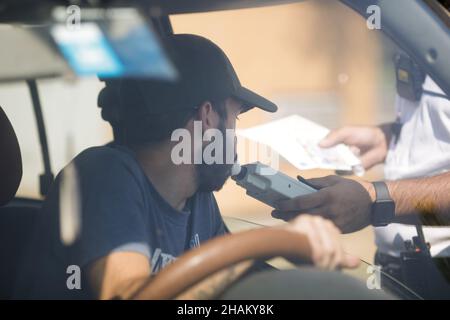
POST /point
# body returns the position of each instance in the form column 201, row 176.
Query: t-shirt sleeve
column 112, row 207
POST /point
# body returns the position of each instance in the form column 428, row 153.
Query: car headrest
column 10, row 160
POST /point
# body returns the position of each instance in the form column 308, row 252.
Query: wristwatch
column 383, row 209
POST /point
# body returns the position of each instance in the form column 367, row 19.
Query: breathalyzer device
column 267, row 184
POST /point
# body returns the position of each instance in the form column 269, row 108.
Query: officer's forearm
column 426, row 198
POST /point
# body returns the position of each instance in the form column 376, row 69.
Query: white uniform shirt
column 422, row 149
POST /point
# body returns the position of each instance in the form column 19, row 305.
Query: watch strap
column 381, row 190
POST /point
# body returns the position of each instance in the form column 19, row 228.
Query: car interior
column 27, row 35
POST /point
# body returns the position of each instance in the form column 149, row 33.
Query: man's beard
column 212, row 177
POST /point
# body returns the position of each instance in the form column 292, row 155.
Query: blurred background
column 317, row 59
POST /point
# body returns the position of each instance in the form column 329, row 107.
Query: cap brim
column 251, row 99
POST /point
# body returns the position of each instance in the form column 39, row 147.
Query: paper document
column 296, row 139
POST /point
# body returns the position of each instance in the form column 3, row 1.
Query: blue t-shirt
column 120, row 211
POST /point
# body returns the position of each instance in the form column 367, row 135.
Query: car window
column 72, row 121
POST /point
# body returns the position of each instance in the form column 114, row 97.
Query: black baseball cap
column 205, row 73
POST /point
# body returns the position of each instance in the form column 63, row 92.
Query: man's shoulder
column 105, row 157
column 107, row 163
column 103, row 152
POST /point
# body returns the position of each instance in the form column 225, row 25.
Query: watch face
column 383, row 212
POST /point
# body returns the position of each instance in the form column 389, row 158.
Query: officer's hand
column 346, row 202
column 369, row 143
column 324, row 238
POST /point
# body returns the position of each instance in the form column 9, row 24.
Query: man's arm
column 118, row 275
column 123, row 274
column 214, row 285
column 348, row 203
column 428, row 197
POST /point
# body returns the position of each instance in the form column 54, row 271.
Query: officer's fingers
column 303, row 203
column 289, row 215
column 320, row 183
column 286, row 216
column 371, row 158
column 336, row 137
column 355, row 150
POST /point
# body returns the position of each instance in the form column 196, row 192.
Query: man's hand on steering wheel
column 323, row 236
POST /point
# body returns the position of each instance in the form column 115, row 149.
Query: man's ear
column 207, row 115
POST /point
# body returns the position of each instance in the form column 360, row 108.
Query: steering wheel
column 220, row 253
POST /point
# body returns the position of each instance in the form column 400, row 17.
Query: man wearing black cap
column 139, row 210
